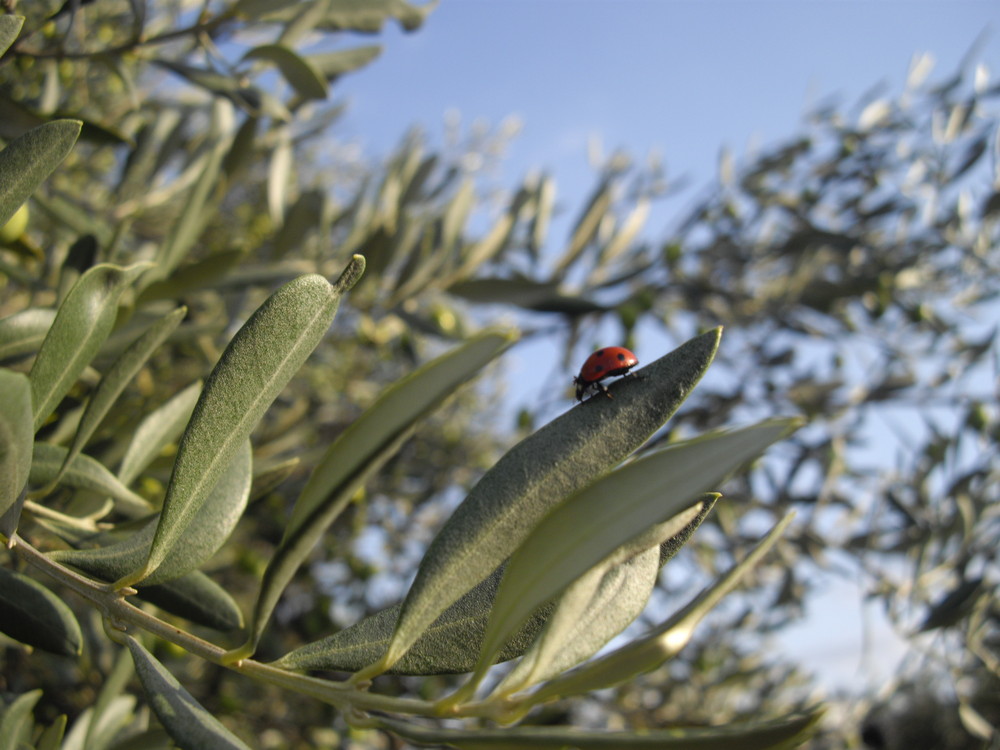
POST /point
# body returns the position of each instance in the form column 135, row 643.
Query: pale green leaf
column 534, row 476
column 85, row 473
column 157, row 430
column 10, row 27
column 84, row 320
column 586, row 226
column 332, row 65
column 361, row 449
column 15, row 442
column 210, row 527
column 110, row 712
column 589, row 526
column 29, row 159
column 651, row 651
column 185, row 720
column 17, row 722
column 261, row 358
column 52, row 737
column 32, row 614
column 119, row 375
column 23, row 332
column 307, row 80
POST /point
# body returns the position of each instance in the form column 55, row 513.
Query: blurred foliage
column 855, row 268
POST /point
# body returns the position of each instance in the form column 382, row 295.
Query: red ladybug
column 604, row 363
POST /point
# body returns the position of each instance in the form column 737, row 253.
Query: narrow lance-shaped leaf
column 82, row 323
column 16, row 722
column 602, row 602
column 211, row 526
column 85, row 473
column 119, row 375
column 360, row 450
column 452, row 643
column 534, row 476
column 591, row 525
column 158, row 429
column 651, row 651
column 186, row 721
column 307, row 81
column 261, row 358
column 15, row 443
column 29, row 159
column 32, row 614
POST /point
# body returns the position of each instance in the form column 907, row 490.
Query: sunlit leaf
column 210, row 527
column 595, row 521
column 23, row 332
column 361, row 449
column 261, row 358
column 16, row 722
column 10, row 27
column 536, row 475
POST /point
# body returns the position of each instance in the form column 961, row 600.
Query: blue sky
column 681, row 78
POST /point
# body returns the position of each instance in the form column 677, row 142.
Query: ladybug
column 604, row 363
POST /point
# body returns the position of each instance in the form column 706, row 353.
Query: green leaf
column 300, row 72
column 185, row 720
column 776, row 734
column 261, row 358
column 23, row 332
column 52, row 737
column 110, row 712
column 32, row 614
column 84, row 473
column 29, row 159
column 15, row 442
column 534, row 476
column 10, row 27
column 601, row 603
column 17, row 722
column 332, row 65
column 651, row 651
column 197, row 598
column 593, row 523
column 159, row 429
column 119, row 375
column 359, row 451
column 586, row 226
column 449, row 646
column 370, row 15
column 202, row 274
column 541, row 296
column 210, row 527
column 84, row 320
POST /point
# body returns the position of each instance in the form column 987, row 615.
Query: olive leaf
column 23, row 332
column 533, row 477
column 211, row 525
column 452, row 643
column 612, row 511
column 82, row 323
column 10, row 27
column 158, row 429
column 118, row 376
column 261, row 358
column 15, row 444
column 32, row 614
column 30, row 158
column 360, row 450
column 187, row 722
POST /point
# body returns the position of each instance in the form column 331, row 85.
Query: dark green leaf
column 185, row 720
column 32, row 614
column 10, row 27
column 302, row 73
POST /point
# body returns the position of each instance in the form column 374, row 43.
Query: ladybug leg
column 602, row 389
